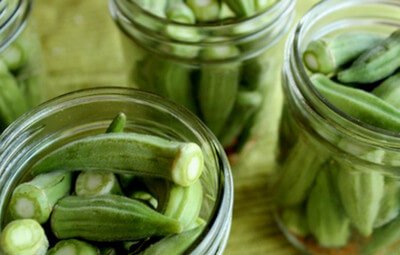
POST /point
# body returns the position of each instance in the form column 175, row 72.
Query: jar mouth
column 28, row 123
column 13, row 17
column 254, row 33
column 344, row 123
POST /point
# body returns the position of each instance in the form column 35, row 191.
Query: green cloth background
column 82, row 49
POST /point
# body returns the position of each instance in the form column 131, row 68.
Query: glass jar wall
column 76, row 115
column 338, row 186
column 21, row 65
column 222, row 71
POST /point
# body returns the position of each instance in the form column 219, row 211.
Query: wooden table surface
column 82, row 49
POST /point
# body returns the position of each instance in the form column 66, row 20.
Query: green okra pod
column 146, row 198
column 358, row 104
column 361, row 194
column 261, row 5
column 225, row 12
column 327, row 55
column 255, row 74
column 205, row 11
column 156, row 7
column 131, row 153
column 246, row 105
column 389, row 90
column 184, row 203
column 294, row 185
column 175, row 244
column 242, row 8
column 295, row 220
column 177, row 10
column 117, row 125
column 23, row 237
column 35, row 199
column 73, row 247
column 12, row 100
column 389, row 207
column 326, row 219
column 109, row 218
column 375, row 64
column 218, row 87
column 383, row 238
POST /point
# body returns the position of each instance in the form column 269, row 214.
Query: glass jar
column 337, row 190
column 77, row 115
column 225, row 72
column 21, row 63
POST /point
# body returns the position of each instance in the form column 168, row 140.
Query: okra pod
column 261, row 5
column 295, row 220
column 23, row 237
column 177, row 10
column 383, row 238
column 225, row 12
column 184, row 203
column 389, row 90
column 358, row 104
column 175, row 244
column 326, row 218
column 14, row 56
column 96, row 183
column 246, row 105
column 146, row 198
column 242, row 8
column 117, row 125
column 205, row 10
column 35, row 199
column 109, row 218
column 389, row 207
column 294, row 185
column 218, row 87
column 361, row 194
column 130, row 153
column 12, row 100
column 327, row 55
column 156, row 7
column 375, row 64
column 73, row 247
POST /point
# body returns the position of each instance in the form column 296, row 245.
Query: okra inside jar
column 149, row 179
column 21, row 64
column 338, row 186
column 219, row 59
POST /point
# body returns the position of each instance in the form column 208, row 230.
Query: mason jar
column 223, row 71
column 76, row 115
column 338, row 186
column 21, row 64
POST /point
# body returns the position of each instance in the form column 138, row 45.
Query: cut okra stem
column 35, row 199
column 23, row 237
column 326, row 55
column 109, row 218
column 73, row 247
column 130, row 153
column 96, row 183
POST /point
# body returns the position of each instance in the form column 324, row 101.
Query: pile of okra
column 111, row 193
column 225, row 94
column 19, row 78
column 329, row 198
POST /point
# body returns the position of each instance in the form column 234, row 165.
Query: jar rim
column 224, row 202
column 294, row 65
column 15, row 14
